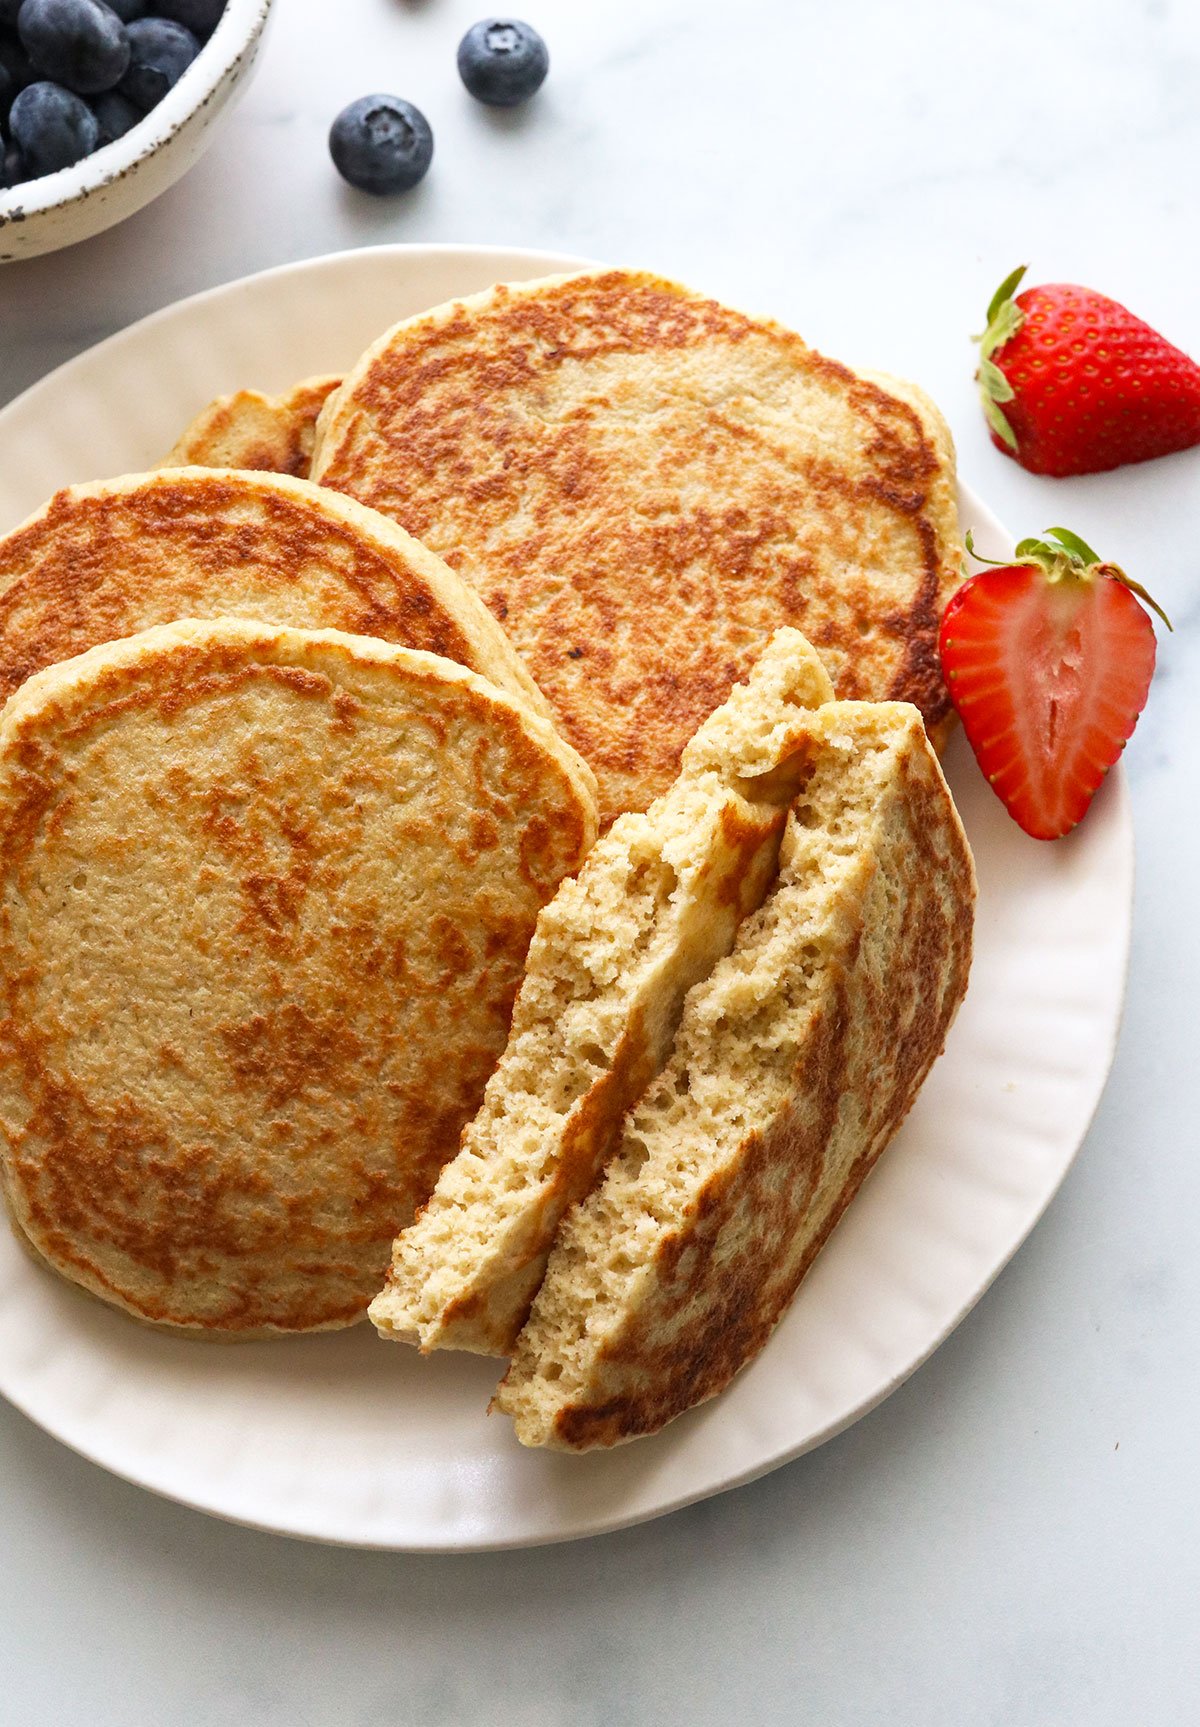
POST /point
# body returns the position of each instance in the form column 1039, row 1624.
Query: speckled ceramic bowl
column 80, row 201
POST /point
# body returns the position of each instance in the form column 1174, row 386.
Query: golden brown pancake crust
column 273, row 434
column 733, row 1300
column 658, row 901
column 794, row 1064
column 643, row 484
column 264, row 904
column 105, row 560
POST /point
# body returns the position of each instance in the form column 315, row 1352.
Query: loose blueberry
column 502, row 61
column 199, row 16
column 161, row 52
column 79, row 43
column 52, row 128
column 115, row 114
column 381, row 144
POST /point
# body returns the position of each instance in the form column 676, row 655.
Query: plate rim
column 149, row 321
column 1119, row 815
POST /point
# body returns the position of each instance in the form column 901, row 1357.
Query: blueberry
column 52, row 128
column 502, row 61
column 162, row 51
column 16, row 63
column 12, row 168
column 115, row 114
column 13, row 77
column 381, row 144
column 201, row 17
column 79, row 43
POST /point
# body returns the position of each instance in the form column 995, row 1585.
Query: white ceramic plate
column 343, row 1438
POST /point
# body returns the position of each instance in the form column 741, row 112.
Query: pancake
column 794, row 1063
column 106, row 560
column 250, row 430
column 265, row 898
column 657, row 902
column 643, row 485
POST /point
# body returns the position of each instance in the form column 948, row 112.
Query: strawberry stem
column 1118, row 575
column 997, row 563
column 1061, row 554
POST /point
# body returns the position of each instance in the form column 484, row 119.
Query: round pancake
column 265, row 897
column 250, row 430
column 105, row 560
column 643, row 485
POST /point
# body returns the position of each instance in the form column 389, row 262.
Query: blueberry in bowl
column 152, row 86
column 51, row 128
column 198, row 16
column 115, row 115
column 15, row 62
column 160, row 53
column 79, row 44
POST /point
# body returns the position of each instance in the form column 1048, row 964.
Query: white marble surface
column 1011, row 1540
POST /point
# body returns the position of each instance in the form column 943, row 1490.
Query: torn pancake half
column 657, row 902
column 795, row 1062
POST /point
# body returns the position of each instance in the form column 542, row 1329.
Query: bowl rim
column 236, row 31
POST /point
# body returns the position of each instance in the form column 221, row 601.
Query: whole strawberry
column 1048, row 661
column 1072, row 383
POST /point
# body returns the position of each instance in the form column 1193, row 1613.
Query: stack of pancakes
column 311, row 731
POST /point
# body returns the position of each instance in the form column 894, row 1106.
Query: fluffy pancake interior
column 658, row 900
column 793, row 1064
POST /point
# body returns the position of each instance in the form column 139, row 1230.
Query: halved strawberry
column 1048, row 661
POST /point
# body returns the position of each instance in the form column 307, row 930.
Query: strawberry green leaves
column 1072, row 383
column 1004, row 319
